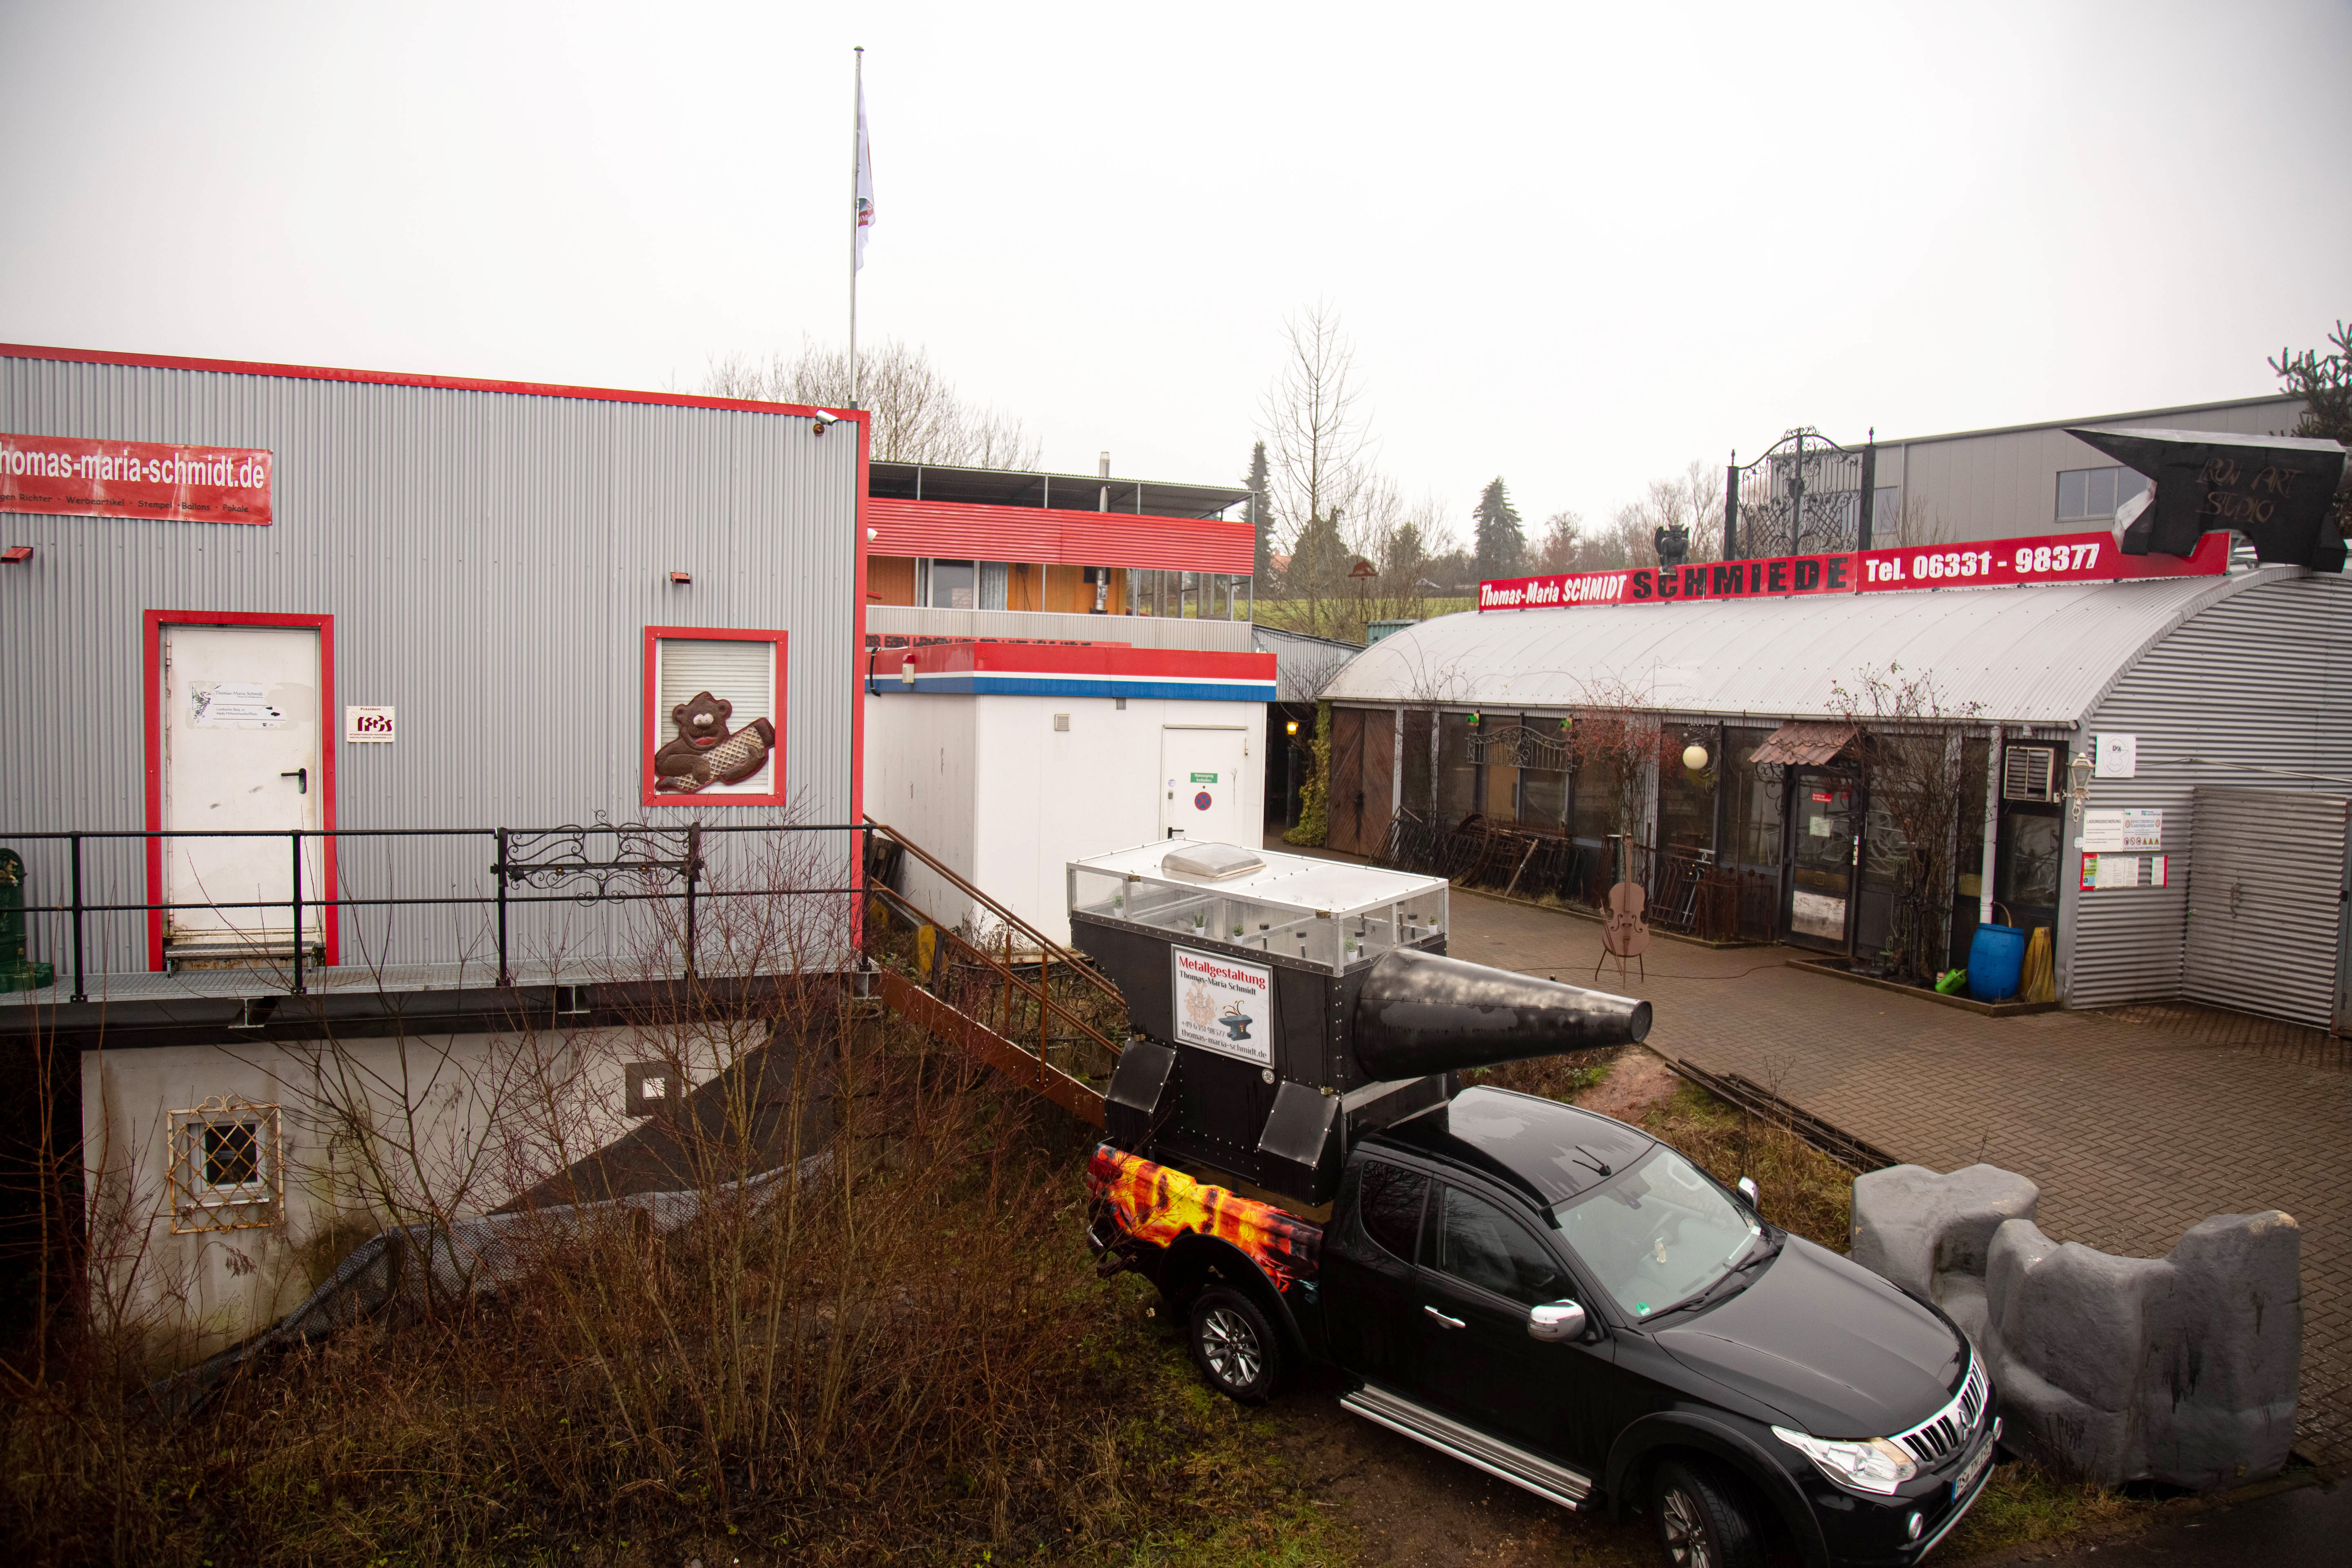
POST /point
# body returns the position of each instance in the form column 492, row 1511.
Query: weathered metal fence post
column 73, row 853
column 498, row 869
column 693, row 875
column 297, row 838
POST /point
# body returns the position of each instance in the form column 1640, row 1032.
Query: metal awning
column 1807, row 742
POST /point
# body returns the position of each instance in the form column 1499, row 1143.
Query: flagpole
column 857, row 104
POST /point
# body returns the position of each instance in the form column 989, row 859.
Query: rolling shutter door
column 2265, row 903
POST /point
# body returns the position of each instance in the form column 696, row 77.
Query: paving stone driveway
column 2133, row 1132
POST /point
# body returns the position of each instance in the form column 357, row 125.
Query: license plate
column 1976, row 1467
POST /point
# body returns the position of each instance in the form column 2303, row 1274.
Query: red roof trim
column 993, row 657
column 957, row 531
column 402, row 378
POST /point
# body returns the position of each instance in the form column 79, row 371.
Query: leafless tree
column 1909, row 754
column 1319, row 442
column 918, row 414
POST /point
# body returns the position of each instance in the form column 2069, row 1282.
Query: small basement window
column 228, row 1167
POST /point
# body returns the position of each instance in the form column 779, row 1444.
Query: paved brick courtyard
column 2136, row 1126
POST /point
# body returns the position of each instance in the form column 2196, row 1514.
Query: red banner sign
column 1995, row 563
column 65, row 475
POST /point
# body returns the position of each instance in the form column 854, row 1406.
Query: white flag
column 865, row 178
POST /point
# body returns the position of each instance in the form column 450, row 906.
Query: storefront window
column 1594, row 811
column 1543, row 798
column 1456, row 774
column 1415, row 785
column 1756, row 800
column 1687, row 805
column 2029, row 869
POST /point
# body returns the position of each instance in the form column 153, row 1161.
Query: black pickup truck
column 1565, row 1302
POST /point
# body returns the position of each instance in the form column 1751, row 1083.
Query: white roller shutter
column 2265, row 903
column 743, row 672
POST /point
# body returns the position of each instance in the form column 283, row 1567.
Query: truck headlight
column 1873, row 1465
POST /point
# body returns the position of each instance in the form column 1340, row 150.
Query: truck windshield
column 1658, row 1234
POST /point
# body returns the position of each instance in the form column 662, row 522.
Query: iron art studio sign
column 60, row 476
column 1999, row 563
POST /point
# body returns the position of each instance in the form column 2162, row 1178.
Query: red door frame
column 156, row 620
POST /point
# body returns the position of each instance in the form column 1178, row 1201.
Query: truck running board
column 1552, row 1482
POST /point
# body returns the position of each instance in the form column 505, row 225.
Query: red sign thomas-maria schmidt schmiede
column 1992, row 562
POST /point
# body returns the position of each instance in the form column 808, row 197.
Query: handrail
column 1004, row 916
column 689, row 864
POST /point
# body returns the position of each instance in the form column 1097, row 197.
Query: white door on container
column 241, row 752
column 1200, row 793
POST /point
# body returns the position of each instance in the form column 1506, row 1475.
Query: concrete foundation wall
column 368, row 1132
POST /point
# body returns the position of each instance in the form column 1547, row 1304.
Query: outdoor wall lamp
column 17, row 554
column 1291, row 728
column 2078, row 782
column 1694, row 757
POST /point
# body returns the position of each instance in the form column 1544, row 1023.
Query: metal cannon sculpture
column 1283, row 1007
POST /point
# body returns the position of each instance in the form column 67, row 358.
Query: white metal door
column 2265, row 910
column 1200, row 793
column 241, row 751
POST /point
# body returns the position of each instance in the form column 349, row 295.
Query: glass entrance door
column 1821, row 858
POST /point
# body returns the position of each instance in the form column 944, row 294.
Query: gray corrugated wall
column 2263, row 678
column 490, row 561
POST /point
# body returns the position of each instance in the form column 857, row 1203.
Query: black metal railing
column 539, row 866
column 1687, row 891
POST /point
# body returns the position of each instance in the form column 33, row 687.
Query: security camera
column 825, row 421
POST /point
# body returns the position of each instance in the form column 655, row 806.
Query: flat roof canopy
column 1059, row 492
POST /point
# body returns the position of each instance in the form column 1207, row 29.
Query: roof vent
column 1211, row 862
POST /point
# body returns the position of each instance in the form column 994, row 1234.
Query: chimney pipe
column 1102, row 469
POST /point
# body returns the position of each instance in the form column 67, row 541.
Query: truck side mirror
column 1747, row 1191
column 1555, row 1322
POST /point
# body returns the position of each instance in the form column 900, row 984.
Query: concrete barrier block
column 2182, row 1369
column 2225, row 1351
column 1911, row 1224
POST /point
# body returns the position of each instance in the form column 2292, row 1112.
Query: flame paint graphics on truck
column 1156, row 1204
column 1994, row 563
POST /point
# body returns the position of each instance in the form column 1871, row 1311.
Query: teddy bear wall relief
column 707, row 751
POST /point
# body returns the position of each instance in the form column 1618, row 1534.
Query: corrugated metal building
column 2232, row 689
column 365, row 620
column 498, row 564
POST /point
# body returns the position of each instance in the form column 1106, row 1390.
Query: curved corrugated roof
column 2025, row 656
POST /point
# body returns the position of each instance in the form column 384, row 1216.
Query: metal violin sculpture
column 1626, row 934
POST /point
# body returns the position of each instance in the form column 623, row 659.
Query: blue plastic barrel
column 1995, row 958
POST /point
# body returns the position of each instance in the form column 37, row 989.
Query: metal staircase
column 1000, row 990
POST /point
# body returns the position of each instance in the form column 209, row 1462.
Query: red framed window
column 714, row 716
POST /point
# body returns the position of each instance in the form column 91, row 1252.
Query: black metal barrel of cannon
column 1422, row 1013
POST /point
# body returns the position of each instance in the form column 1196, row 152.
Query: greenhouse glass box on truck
column 1283, row 1007
column 1240, row 970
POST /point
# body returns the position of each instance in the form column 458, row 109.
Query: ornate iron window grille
column 227, row 1170
column 1519, row 746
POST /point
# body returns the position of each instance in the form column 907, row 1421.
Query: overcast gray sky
column 1576, row 245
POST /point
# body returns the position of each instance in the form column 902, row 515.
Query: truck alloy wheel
column 1234, row 1345
column 1700, row 1522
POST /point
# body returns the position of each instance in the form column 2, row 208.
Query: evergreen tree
column 1262, row 513
column 1501, row 545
